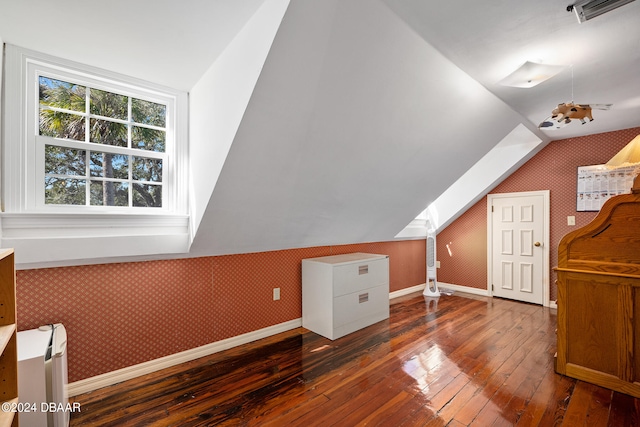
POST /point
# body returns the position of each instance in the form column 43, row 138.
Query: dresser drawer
column 361, row 305
column 354, row 277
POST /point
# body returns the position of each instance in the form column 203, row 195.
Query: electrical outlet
column 276, row 294
column 571, row 220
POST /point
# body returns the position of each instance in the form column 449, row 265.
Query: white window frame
column 35, row 193
column 28, row 223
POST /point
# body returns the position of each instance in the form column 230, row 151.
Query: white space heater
column 42, row 376
column 431, row 290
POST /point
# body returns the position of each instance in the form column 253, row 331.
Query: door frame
column 545, row 235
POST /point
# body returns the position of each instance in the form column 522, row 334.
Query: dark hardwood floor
column 454, row 361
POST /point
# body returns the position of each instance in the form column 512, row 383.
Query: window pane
column 62, row 125
column 61, row 94
column 64, row 161
column 101, row 142
column 145, row 169
column 109, row 104
column 109, row 193
column 59, row 191
column 147, row 139
column 148, row 113
column 146, row 195
column 108, row 133
column 107, row 165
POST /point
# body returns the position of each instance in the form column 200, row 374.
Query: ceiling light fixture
column 531, row 74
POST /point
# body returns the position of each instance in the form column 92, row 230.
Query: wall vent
column 589, row 9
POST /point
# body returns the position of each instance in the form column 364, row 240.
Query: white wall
column 219, row 99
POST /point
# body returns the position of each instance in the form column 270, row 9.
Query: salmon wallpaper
column 118, row 315
column 462, row 246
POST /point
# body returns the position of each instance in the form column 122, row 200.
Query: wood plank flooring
column 460, row 360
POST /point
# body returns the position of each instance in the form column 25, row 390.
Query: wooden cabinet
column 344, row 293
column 599, row 298
column 8, row 340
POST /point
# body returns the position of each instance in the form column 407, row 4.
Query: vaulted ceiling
column 330, row 122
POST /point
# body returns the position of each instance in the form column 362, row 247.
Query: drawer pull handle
column 363, row 298
column 363, row 269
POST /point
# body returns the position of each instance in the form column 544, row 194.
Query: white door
column 518, row 239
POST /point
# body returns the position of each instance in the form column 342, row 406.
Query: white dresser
column 344, row 293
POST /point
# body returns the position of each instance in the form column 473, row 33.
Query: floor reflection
column 453, row 360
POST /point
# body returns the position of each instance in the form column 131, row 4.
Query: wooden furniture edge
column 7, row 417
column 6, row 333
column 602, row 379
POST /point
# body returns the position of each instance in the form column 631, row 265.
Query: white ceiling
column 366, row 110
column 490, row 39
column 174, row 43
column 167, row 42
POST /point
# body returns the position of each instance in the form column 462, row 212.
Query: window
column 93, row 141
column 89, row 155
column 100, row 148
column 97, row 143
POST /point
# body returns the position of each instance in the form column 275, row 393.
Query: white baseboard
column 103, row 380
column 465, row 289
column 420, row 288
column 406, row 291
column 476, row 291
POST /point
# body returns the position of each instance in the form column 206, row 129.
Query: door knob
column 537, row 244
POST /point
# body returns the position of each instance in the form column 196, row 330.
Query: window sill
column 53, row 240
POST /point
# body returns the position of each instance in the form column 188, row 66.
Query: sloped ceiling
column 355, row 122
column 364, row 111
